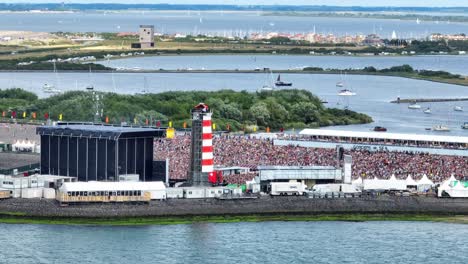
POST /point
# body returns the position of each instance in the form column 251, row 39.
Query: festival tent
column 410, row 181
column 424, row 184
column 357, row 182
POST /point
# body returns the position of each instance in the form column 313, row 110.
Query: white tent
column 357, row 182
column 424, row 184
column 410, row 181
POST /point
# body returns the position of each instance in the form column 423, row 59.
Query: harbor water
column 374, row 93
column 264, row 242
column 221, row 23
column 452, row 64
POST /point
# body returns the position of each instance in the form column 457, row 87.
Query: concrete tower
column 201, row 155
column 146, row 36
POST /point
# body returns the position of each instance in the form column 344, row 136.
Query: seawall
column 264, row 205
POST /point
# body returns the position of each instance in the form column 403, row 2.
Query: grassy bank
column 18, row 218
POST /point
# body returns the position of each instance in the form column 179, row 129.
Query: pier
column 427, row 100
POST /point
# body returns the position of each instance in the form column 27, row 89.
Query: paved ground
column 14, row 160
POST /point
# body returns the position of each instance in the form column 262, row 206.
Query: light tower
column 201, row 151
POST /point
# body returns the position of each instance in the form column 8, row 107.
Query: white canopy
column 425, row 181
column 357, row 181
column 111, row 186
column 410, row 181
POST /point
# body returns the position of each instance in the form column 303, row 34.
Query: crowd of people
column 10, row 133
column 250, row 152
column 416, row 144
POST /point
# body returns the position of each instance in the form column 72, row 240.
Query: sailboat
column 90, row 86
column 345, row 91
column 281, row 83
column 441, row 128
column 268, row 85
column 50, row 88
column 145, row 88
column 428, row 111
column 458, row 108
column 340, row 83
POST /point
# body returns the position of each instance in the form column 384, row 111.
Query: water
column 220, row 23
column 453, row 64
column 266, row 242
column 373, row 93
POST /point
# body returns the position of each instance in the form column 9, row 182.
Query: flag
column 268, row 129
column 170, row 123
column 34, row 115
column 24, row 114
column 46, row 116
column 185, row 124
column 158, row 124
column 228, row 127
column 107, row 120
column 214, row 126
column 3, row 113
column 146, row 121
column 13, row 114
column 60, row 117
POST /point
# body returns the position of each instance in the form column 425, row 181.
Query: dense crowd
column 252, row 152
column 10, row 133
column 418, row 144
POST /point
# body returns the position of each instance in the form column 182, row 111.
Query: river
column 264, row 242
column 373, row 93
column 453, row 64
column 220, row 23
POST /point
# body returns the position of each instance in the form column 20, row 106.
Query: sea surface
column 374, row 93
column 220, row 23
column 453, row 64
column 264, row 242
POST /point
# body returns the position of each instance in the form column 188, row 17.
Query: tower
column 201, row 151
column 146, row 36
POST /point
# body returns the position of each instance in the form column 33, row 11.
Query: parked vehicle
column 287, row 188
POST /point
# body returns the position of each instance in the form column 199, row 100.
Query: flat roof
column 384, row 135
column 11, row 160
column 100, row 131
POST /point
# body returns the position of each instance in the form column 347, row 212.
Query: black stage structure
column 95, row 152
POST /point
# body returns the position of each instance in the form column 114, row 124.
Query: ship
column 281, row 83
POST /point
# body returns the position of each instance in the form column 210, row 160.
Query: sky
column 420, row 3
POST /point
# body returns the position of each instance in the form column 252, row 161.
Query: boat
column 145, row 87
column 380, row 129
column 268, row 85
column 50, row 88
column 441, row 128
column 281, row 83
column 428, row 111
column 90, row 87
column 458, row 108
column 465, row 125
column 346, row 92
column 414, row 105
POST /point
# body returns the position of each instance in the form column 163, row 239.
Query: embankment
column 263, row 206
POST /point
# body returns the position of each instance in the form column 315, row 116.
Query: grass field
column 19, row 218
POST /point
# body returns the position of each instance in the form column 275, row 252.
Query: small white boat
column 414, row 106
column 458, row 108
column 465, row 125
column 49, row 88
column 441, row 128
column 266, row 88
column 346, row 92
column 428, row 111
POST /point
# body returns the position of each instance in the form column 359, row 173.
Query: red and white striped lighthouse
column 201, row 156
